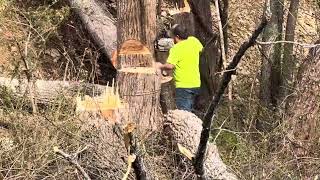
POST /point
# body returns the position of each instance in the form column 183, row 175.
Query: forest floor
column 57, row 48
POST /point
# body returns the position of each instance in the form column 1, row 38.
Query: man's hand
column 158, row 67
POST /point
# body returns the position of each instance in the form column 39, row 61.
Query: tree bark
column 304, row 111
column 137, row 21
column 289, row 62
column 139, row 86
column 138, row 83
column 271, row 62
column 185, row 128
column 99, row 24
column 48, row 91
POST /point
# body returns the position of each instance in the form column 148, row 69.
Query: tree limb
column 133, row 149
column 200, row 156
column 72, row 160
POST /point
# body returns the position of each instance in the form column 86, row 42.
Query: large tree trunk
column 99, row 24
column 184, row 128
column 270, row 69
column 289, row 62
column 139, row 86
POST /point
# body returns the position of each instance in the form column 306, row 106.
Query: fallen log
column 99, row 24
column 49, row 91
column 184, row 129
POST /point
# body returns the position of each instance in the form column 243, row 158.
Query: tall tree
column 271, row 62
column 139, row 86
column 289, row 62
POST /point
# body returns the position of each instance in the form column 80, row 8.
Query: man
column 184, row 61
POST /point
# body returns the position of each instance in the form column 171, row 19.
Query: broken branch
column 72, row 160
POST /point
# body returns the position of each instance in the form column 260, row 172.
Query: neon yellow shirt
column 185, row 57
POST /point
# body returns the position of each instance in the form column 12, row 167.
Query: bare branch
column 28, row 73
column 210, row 113
column 72, row 160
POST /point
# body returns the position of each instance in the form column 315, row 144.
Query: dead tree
column 138, row 83
column 184, row 130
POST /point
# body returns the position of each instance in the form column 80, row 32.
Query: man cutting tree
column 184, row 61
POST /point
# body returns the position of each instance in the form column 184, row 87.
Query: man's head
column 178, row 33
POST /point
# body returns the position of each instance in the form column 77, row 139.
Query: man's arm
column 166, row 66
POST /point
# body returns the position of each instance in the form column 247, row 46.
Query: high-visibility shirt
column 185, row 57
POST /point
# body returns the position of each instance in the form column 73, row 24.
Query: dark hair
column 179, row 31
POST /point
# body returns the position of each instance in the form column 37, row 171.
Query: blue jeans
column 185, row 98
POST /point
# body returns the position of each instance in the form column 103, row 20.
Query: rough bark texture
column 48, row 91
column 271, row 63
column 289, row 62
column 185, row 19
column 137, row 20
column 305, row 111
column 224, row 10
column 167, row 100
column 139, row 88
column 185, row 128
column 134, row 54
column 99, row 24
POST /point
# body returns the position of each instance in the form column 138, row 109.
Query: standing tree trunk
column 271, row 61
column 224, row 10
column 289, row 62
column 139, row 86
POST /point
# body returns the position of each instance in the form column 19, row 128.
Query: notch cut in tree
column 209, row 116
column 138, row 83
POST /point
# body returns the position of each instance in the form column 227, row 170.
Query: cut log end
column 133, row 47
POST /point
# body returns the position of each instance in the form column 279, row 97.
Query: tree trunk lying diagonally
column 99, row 24
column 185, row 128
